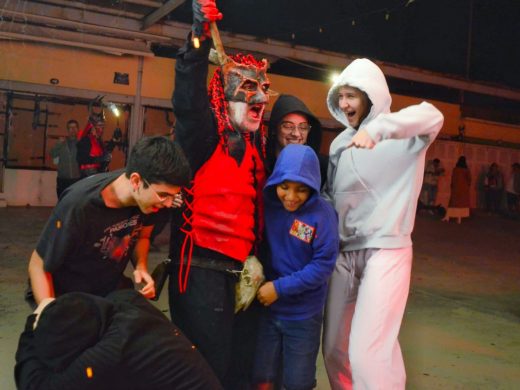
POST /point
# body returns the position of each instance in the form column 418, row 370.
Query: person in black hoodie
column 292, row 122
column 82, row 341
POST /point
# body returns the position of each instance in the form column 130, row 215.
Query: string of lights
column 354, row 19
column 323, row 27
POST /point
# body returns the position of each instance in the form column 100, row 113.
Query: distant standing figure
column 460, row 185
column 494, row 184
column 64, row 156
column 513, row 190
column 433, row 171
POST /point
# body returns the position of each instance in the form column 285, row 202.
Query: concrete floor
column 462, row 324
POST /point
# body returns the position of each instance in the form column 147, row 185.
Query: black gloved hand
column 204, row 12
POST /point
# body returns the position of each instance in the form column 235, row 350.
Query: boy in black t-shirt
column 103, row 220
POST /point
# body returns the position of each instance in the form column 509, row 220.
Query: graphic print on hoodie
column 375, row 190
column 304, row 243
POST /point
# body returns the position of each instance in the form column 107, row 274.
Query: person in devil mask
column 219, row 128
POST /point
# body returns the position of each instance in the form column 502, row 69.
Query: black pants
column 205, row 314
column 493, row 198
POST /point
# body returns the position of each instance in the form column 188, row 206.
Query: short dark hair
column 159, row 160
column 73, row 121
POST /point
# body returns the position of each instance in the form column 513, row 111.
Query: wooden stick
column 215, row 36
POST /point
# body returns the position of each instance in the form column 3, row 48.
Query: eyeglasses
column 162, row 196
column 289, row 127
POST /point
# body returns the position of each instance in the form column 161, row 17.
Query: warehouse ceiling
column 464, row 51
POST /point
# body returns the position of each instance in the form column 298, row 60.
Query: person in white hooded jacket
column 374, row 180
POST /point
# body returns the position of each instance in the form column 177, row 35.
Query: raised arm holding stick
column 221, row 138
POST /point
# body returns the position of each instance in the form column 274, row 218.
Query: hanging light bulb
column 114, row 109
column 387, row 15
column 321, row 29
column 353, row 22
column 333, row 77
column 293, row 35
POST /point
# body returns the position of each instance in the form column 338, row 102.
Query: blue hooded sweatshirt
column 304, row 243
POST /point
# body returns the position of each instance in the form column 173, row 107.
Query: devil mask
column 246, row 83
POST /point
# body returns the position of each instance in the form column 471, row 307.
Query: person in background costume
column 458, row 206
column 513, row 191
column 92, row 155
column 302, row 232
column 494, row 185
column 291, row 122
column 374, row 181
column 64, row 155
column 220, row 132
column 82, row 341
column 433, row 171
column 103, row 221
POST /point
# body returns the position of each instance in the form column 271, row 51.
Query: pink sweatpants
column 365, row 306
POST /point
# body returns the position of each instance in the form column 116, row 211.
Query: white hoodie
column 375, row 190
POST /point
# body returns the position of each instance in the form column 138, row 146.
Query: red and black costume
column 91, row 155
column 222, row 220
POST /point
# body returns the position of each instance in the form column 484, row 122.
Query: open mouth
column 256, row 110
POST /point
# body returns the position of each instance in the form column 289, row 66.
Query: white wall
column 24, row 187
column 38, row 188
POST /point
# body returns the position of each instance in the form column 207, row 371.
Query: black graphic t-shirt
column 86, row 245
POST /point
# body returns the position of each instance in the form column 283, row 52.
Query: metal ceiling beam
column 285, row 50
column 147, row 3
column 116, row 46
column 159, row 13
column 72, row 22
column 97, row 20
column 65, row 12
column 39, row 89
column 453, row 82
column 77, row 93
column 89, row 7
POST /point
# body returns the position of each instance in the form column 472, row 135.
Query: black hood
column 72, row 323
column 287, row 104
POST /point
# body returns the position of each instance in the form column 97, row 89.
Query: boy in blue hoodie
column 302, row 233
